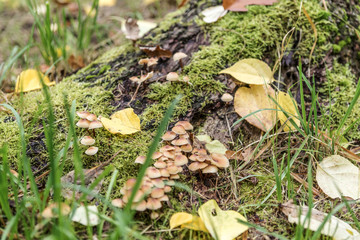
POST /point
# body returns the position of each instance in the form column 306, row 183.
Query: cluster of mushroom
column 173, row 76
column 90, row 122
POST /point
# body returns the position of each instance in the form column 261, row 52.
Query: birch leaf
column 30, row 80
column 288, row 105
column 123, row 122
column 334, row 227
column 187, row 220
column 222, row 225
column 338, row 177
column 256, row 97
column 250, row 71
column 212, row 14
column 89, row 219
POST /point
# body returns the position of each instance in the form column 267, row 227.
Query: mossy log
column 104, row 86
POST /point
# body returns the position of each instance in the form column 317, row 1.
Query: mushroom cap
column 91, row 151
column 135, row 79
column 49, row 213
column 164, row 198
column 180, row 142
column 172, row 76
column 166, row 148
column 157, row 155
column 180, row 160
column 95, row 124
column 138, row 196
column 219, row 160
column 175, row 176
column 82, row 114
column 179, row 129
column 152, row 61
column 167, row 189
column 117, row 202
column 194, row 166
column 153, row 172
column 186, row 148
column 179, row 55
column 210, row 169
column 87, row 140
column 154, row 215
column 169, row 154
column 193, row 157
column 157, row 193
column 143, row 61
column 172, row 169
column 160, row 164
column 140, row 207
column 203, row 165
column 186, row 124
column 177, row 149
column 147, row 76
column 83, row 123
column 164, row 172
column 226, row 97
column 153, row 204
column 91, row 117
column 186, row 135
column 158, row 183
column 202, row 152
column 130, row 183
column 168, row 136
column 140, row 159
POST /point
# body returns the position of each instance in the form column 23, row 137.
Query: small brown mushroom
column 180, row 160
column 219, row 160
column 91, row 117
column 154, row 215
column 175, row 176
column 164, row 172
column 179, row 129
column 168, row 136
column 153, row 204
column 83, row 123
column 153, row 172
column 95, row 124
column 166, row 148
column 87, row 140
column 82, row 114
column 180, row 142
column 91, row 151
column 172, row 77
column 178, row 57
column 160, row 164
column 210, row 169
column 157, row 193
column 140, row 207
column 157, row 155
column 226, row 97
column 117, row 202
column 167, row 189
column 140, row 159
column 186, row 148
column 186, row 125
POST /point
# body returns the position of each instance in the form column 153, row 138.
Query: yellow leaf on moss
column 289, row 106
column 186, row 220
column 30, row 80
column 124, row 122
column 251, row 99
column 250, row 71
column 222, row 225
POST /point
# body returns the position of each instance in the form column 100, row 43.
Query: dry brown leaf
column 156, row 52
column 256, row 97
column 240, row 5
column 76, row 62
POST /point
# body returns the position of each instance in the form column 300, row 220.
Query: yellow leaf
column 222, row 225
column 288, row 105
column 30, row 80
column 107, row 3
column 250, row 71
column 123, row 122
column 249, row 100
column 186, row 220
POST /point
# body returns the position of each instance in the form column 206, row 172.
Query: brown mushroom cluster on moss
column 169, row 162
column 90, row 122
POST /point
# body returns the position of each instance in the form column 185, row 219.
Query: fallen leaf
column 76, row 62
column 52, row 211
column 212, row 14
column 222, row 225
column 186, row 220
column 107, row 3
column 90, row 218
column 235, row 155
column 248, row 100
column 240, row 5
column 156, row 52
column 123, row 122
column 132, row 29
column 30, row 80
column 204, row 138
column 338, row 177
column 334, row 227
column 215, row 146
column 250, row 71
column 90, row 176
column 289, row 106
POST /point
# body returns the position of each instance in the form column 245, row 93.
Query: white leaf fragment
column 89, row 219
column 212, row 14
column 338, row 177
column 334, row 227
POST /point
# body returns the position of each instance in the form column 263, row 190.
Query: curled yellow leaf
column 123, row 122
column 187, row 220
column 222, row 225
column 30, row 80
column 288, row 105
column 250, row 71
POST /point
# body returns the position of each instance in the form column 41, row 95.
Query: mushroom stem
column 94, row 134
column 133, row 97
column 181, row 65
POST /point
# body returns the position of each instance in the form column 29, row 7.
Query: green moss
column 338, row 92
